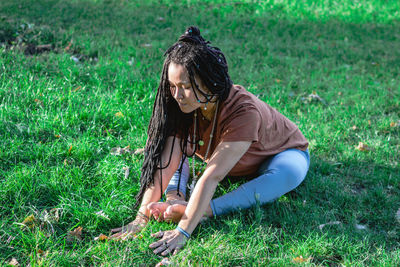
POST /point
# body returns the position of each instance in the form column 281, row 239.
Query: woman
column 198, row 111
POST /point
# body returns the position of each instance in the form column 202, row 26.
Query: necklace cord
column 195, row 177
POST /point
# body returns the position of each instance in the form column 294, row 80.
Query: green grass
column 346, row 51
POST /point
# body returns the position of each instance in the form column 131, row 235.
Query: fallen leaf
column 75, row 59
column 300, row 259
column 68, row 46
column 164, row 262
column 77, row 88
column 139, row 151
column 126, row 174
column 39, row 102
column 313, row 97
column 13, row 262
column 30, row 221
column 116, row 151
column 360, row 227
column 54, row 214
column 57, row 136
column 363, row 147
column 75, row 234
column 395, row 124
column 69, row 150
column 41, row 252
column 102, row 214
column 101, row 237
column 369, row 122
column 329, row 223
column 119, row 114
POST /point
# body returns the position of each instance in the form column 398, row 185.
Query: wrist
column 182, row 231
column 142, row 217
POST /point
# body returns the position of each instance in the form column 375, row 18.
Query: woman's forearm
column 198, row 203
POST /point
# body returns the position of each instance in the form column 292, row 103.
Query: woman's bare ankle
column 173, row 196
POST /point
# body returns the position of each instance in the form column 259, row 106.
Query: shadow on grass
column 351, row 192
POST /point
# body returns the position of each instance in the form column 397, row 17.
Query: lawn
column 78, row 79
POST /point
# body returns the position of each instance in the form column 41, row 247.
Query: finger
column 159, row 234
column 157, row 244
column 127, row 236
column 116, row 236
column 160, row 249
column 176, row 251
column 116, row 230
column 166, row 252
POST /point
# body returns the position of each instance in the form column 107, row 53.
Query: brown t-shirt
column 244, row 117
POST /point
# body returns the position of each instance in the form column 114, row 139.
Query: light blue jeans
column 276, row 176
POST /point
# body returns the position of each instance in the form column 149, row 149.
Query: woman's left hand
column 171, row 241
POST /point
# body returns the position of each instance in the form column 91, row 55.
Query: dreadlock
column 199, row 58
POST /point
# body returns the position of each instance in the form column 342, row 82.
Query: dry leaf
column 57, row 136
column 363, row 147
column 77, row 88
column 126, row 174
column 119, row 114
column 164, row 262
column 39, row 102
column 13, row 262
column 101, row 237
column 301, row 259
column 75, row 234
column 139, row 151
column 69, row 150
column 329, row 223
column 395, row 124
column 102, row 214
column 75, row 59
column 117, row 151
column 360, row 227
column 54, row 215
column 30, row 222
column 68, row 46
column 313, row 97
column 369, row 122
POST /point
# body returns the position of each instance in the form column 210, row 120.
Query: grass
column 59, row 120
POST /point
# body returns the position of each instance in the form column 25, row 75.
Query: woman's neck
column 209, row 112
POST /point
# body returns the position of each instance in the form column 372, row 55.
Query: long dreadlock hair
column 209, row 64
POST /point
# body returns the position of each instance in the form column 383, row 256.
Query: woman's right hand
column 130, row 230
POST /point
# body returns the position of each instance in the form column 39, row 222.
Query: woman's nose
column 178, row 93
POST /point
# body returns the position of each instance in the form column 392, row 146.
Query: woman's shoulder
column 241, row 99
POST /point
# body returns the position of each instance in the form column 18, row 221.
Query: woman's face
column 181, row 88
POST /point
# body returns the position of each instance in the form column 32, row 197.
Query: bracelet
column 144, row 216
column 183, row 232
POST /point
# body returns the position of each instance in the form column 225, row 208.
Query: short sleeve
column 243, row 125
